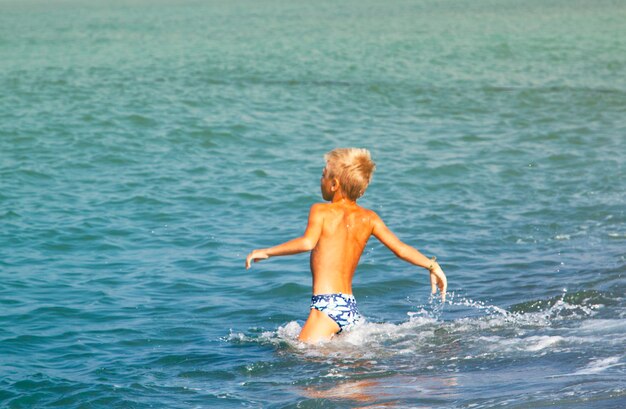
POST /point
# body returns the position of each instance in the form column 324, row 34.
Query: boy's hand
column 255, row 255
column 438, row 279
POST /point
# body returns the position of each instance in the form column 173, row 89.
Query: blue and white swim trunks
column 341, row 308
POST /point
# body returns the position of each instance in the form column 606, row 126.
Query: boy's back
column 346, row 227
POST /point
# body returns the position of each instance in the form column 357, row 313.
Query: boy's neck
column 339, row 197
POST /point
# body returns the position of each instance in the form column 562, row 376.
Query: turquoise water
column 147, row 146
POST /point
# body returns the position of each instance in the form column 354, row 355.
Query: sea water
column 147, row 146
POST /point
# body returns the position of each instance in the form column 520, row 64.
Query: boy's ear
column 334, row 185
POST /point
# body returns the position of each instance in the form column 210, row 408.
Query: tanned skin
column 336, row 235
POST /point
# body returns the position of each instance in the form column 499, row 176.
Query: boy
column 336, row 235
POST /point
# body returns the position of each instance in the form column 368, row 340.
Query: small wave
column 140, row 120
column 284, row 289
column 596, row 366
column 513, row 344
column 599, row 365
column 10, row 215
column 32, row 175
column 604, row 326
column 583, row 302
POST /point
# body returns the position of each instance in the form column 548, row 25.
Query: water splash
column 482, row 331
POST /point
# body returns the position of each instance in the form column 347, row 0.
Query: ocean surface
column 147, row 146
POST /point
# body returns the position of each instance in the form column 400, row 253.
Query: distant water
column 147, row 146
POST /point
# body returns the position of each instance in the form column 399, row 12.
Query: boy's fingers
column 433, row 283
column 441, row 283
column 443, row 287
column 255, row 256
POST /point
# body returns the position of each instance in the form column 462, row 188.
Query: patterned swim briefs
column 341, row 308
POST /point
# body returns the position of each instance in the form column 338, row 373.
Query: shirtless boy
column 336, row 235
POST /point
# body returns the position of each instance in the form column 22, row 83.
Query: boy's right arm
column 411, row 255
column 298, row 245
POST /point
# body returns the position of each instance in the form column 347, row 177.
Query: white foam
column 537, row 343
column 604, row 326
column 516, row 344
column 479, row 305
column 595, row 366
column 375, row 334
column 599, row 365
column 289, row 331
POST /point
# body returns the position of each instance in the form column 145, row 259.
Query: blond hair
column 353, row 167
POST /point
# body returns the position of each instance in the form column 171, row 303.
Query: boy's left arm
column 306, row 242
column 412, row 255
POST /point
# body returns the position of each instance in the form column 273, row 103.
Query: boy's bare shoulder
column 318, row 207
column 366, row 215
column 318, row 210
column 372, row 215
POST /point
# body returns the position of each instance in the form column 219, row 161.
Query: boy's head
column 353, row 168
